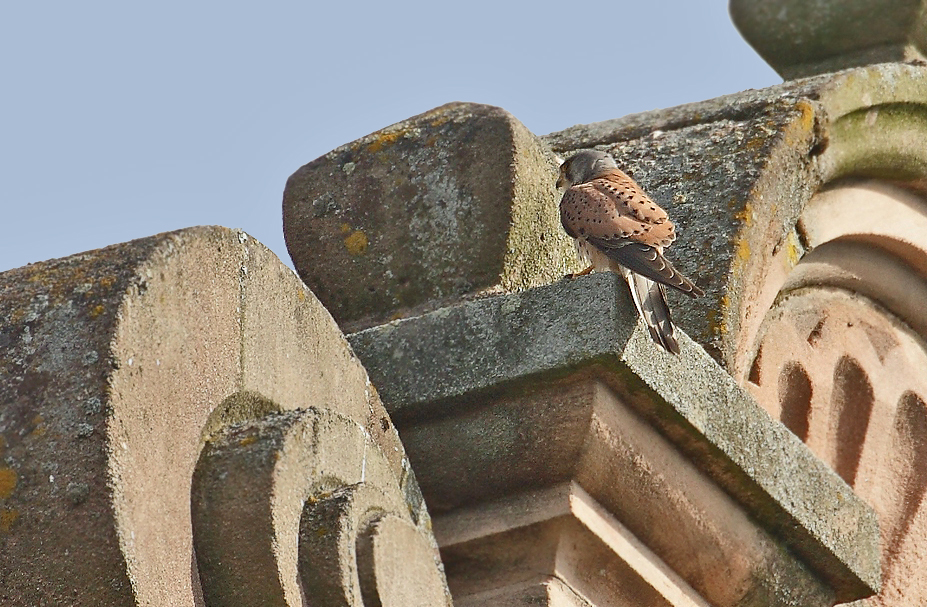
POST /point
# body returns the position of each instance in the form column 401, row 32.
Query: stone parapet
column 802, row 214
column 737, row 172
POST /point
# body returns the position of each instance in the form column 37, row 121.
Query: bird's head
column 584, row 166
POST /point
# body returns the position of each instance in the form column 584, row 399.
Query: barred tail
column 650, row 299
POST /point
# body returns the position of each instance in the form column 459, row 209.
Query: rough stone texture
column 801, row 211
column 249, row 489
column 799, row 38
column 118, row 365
column 398, row 566
column 736, row 172
column 480, row 392
column 450, row 203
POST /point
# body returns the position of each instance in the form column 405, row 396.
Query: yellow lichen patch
column 7, row 518
column 807, row 114
column 96, row 311
column 755, row 143
column 745, row 215
column 715, row 318
column 743, row 251
column 7, row 482
column 800, row 130
column 385, row 138
column 301, row 295
column 345, row 228
column 793, row 249
column 248, row 440
column 725, row 304
column 107, row 281
column 356, row 243
column 40, row 427
column 39, row 430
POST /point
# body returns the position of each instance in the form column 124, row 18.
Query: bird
column 618, row 227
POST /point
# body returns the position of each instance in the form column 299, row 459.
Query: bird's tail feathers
column 650, row 299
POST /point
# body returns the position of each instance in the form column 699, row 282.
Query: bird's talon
column 573, row 275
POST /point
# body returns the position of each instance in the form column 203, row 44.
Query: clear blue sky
column 123, row 119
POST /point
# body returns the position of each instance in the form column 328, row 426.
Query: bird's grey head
column 584, row 166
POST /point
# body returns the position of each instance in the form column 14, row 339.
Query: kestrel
column 618, row 227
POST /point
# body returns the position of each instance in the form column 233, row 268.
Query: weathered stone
column 799, row 38
column 118, row 365
column 397, row 566
column 736, row 172
column 801, row 210
column 249, row 489
column 840, row 361
column 520, row 392
column 447, row 204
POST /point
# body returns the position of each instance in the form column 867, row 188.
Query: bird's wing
column 614, row 207
column 613, row 214
column 646, row 261
column 630, row 196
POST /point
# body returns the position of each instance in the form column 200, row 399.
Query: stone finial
column 453, row 202
column 183, row 402
column 800, row 38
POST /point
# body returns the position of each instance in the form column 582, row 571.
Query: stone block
column 454, row 202
column 129, row 371
column 803, row 205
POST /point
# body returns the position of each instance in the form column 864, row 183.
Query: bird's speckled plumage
column 616, row 224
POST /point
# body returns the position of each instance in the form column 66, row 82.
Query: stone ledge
column 427, row 366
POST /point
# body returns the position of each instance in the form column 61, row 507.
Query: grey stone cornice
column 434, row 364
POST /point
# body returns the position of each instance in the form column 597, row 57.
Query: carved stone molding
column 184, row 424
column 802, row 214
column 841, row 354
column 568, row 463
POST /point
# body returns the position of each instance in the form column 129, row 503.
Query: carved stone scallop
column 840, row 359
